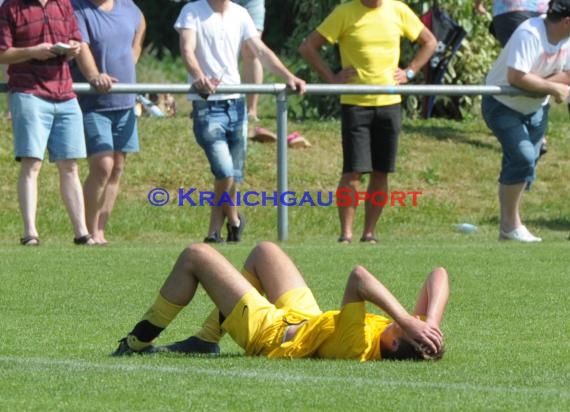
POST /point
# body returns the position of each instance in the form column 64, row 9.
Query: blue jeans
column 220, row 127
column 520, row 136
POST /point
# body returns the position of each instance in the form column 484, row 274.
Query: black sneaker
column 213, row 238
column 192, row 345
column 234, row 232
column 125, row 350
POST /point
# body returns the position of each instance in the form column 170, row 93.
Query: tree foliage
column 288, row 22
column 161, row 38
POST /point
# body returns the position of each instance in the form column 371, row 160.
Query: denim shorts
column 520, row 136
column 38, row 124
column 111, row 131
column 370, row 137
column 256, row 9
column 220, row 127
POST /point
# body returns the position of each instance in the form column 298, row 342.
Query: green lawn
column 64, row 307
column 506, row 332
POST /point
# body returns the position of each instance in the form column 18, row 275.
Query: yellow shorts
column 258, row 326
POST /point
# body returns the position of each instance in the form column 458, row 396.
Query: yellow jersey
column 349, row 333
column 369, row 41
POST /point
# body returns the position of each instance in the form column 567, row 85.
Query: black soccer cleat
column 191, row 345
column 125, row 350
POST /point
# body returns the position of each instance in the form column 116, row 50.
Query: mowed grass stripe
column 261, row 375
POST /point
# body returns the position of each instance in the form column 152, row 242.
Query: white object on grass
column 466, row 228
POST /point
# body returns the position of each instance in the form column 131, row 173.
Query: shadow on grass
column 450, row 133
column 558, row 223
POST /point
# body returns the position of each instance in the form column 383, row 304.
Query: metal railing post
column 282, row 212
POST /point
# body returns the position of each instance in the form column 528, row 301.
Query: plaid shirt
column 26, row 23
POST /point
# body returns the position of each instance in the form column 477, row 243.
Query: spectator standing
column 507, row 15
column 44, row 108
column 370, row 123
column 536, row 59
column 113, row 31
column 252, row 67
column 212, row 32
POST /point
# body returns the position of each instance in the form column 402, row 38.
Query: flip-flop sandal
column 296, row 140
column 30, row 241
column 372, row 240
column 263, row 135
column 344, row 240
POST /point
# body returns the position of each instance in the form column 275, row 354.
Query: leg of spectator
column 28, row 193
column 217, row 214
column 509, row 199
column 378, row 183
column 95, row 186
column 111, row 193
column 72, row 196
column 350, row 181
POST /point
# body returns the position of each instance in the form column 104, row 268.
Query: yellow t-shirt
column 349, row 333
column 369, row 41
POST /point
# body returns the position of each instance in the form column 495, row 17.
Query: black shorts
column 370, row 138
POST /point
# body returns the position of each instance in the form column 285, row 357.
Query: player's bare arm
column 363, row 286
column 271, row 62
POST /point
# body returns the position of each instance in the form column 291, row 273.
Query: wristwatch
column 410, row 74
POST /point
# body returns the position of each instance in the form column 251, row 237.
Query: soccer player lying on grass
column 288, row 321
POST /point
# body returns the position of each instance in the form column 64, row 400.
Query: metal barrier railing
column 281, row 92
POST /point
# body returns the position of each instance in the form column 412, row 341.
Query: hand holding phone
column 60, row 48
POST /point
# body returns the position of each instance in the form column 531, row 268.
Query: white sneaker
column 520, row 234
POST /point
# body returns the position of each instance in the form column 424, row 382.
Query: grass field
column 64, row 307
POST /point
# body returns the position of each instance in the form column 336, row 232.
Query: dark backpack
column 449, row 35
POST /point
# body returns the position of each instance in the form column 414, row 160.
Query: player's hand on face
column 345, row 75
column 427, row 337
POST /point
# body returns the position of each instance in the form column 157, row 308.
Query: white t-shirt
column 219, row 38
column 529, row 51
